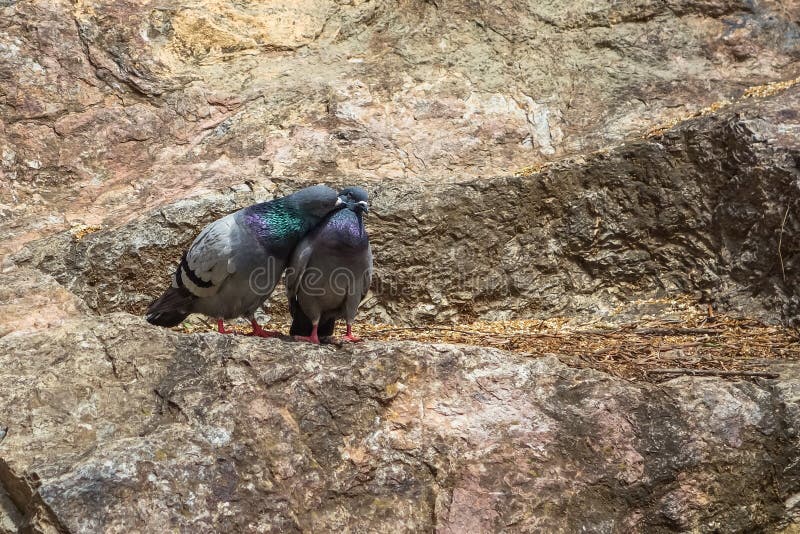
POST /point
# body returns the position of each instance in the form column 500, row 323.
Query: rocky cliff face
column 110, row 109
column 701, row 209
column 524, row 160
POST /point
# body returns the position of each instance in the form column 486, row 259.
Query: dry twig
column 677, row 331
column 710, row 372
column 780, row 242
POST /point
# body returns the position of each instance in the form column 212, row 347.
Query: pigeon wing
column 297, row 266
column 367, row 280
column 211, row 258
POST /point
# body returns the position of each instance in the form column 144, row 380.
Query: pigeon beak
column 339, row 202
column 364, row 206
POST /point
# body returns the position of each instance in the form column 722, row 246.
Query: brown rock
column 113, row 108
column 695, row 211
column 143, row 427
column 126, row 126
column 30, row 300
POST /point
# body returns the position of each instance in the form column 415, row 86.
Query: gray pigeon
column 331, row 269
column 233, row 265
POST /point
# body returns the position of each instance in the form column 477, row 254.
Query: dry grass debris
column 81, row 231
column 653, row 349
column 757, row 91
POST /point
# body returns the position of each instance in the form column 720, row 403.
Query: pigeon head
column 355, row 198
column 317, row 200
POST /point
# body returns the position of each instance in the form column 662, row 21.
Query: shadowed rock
column 698, row 210
column 144, row 427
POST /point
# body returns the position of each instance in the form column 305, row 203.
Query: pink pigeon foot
column 349, row 337
column 260, row 332
column 313, row 338
column 221, row 327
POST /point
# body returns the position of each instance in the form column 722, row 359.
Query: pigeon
column 233, row 265
column 330, row 271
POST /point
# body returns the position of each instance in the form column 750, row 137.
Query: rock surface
column 113, row 108
column 707, row 209
column 147, row 120
column 143, row 428
column 126, row 126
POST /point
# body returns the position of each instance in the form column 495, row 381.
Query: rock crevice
column 22, row 508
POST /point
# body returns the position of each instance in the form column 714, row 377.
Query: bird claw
column 310, row 339
column 350, row 338
column 260, row 332
column 264, row 333
column 221, row 328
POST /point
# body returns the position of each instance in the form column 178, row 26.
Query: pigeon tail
column 171, row 308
